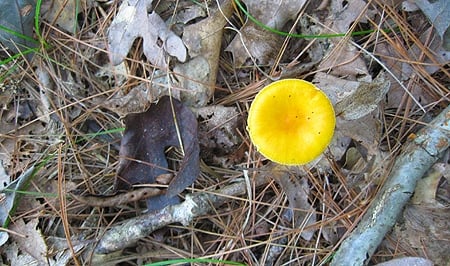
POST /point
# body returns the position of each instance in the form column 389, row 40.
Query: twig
column 117, row 199
column 417, row 157
column 196, row 204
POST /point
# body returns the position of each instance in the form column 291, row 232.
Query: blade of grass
column 17, row 34
column 21, row 184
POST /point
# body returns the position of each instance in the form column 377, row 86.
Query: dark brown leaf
column 146, row 137
column 16, row 24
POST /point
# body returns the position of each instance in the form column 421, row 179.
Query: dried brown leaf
column 203, row 40
column 365, row 99
column 300, row 210
column 343, row 59
column 142, row 152
column 263, row 45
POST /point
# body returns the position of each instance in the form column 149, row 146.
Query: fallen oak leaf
column 118, row 198
column 132, row 21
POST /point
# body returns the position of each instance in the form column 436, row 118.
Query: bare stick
column 416, row 158
column 196, row 204
column 117, row 199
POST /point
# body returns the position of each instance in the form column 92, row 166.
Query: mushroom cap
column 291, row 122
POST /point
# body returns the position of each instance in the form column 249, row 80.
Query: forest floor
column 66, row 106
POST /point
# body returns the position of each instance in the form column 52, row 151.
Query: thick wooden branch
column 415, row 159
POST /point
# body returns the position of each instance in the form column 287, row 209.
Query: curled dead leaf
column 142, row 152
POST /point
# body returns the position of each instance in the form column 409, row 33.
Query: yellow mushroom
column 291, row 122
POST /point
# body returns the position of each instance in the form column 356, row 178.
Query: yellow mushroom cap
column 291, row 121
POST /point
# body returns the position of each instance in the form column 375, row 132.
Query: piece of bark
column 415, row 159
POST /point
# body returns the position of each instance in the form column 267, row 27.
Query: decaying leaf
column 343, row 59
column 438, row 56
column 203, row 40
column 427, row 218
column 63, row 13
column 438, row 13
column 17, row 16
column 263, row 45
column 9, row 199
column 301, row 212
column 132, row 21
column 365, row 99
column 416, row 261
column 334, row 87
column 354, row 101
column 16, row 257
column 142, row 151
column 194, row 76
column 217, row 133
column 30, row 240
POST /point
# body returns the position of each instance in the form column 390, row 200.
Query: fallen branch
column 196, row 204
column 416, row 158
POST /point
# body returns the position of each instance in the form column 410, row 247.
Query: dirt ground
column 83, row 167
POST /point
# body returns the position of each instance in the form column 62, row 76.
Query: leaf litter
column 199, row 54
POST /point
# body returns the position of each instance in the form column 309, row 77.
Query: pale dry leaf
column 430, row 65
column 300, row 211
column 203, row 40
column 344, row 59
column 117, row 74
column 409, row 6
column 5, row 179
column 132, row 21
column 63, row 13
column 219, row 123
column 194, row 76
column 14, row 256
column 217, row 133
column 438, row 13
column 9, row 144
column 30, row 239
column 337, row 147
column 263, row 45
column 366, row 131
column 425, row 227
column 9, row 199
column 137, row 100
column 365, row 99
column 411, row 261
column 190, row 13
column 335, row 88
column 426, row 189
